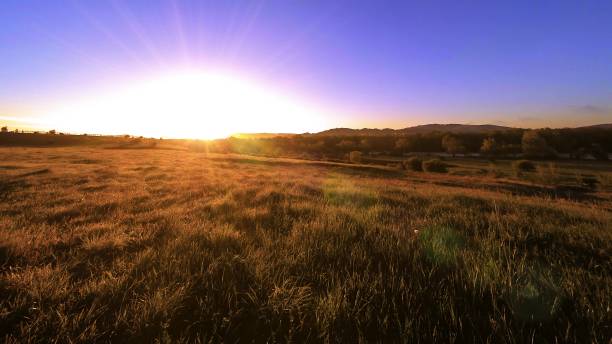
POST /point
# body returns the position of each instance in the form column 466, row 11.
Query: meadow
column 176, row 245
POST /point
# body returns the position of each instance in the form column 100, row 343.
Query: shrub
column 590, row 182
column 413, row 164
column 605, row 180
column 453, row 145
column 598, row 152
column 523, row 166
column 435, row 165
column 548, row 173
column 355, row 157
column 494, row 170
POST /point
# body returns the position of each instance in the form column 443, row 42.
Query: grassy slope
column 155, row 244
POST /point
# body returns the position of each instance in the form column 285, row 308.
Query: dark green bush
column 413, row 164
column 523, row 166
column 435, row 165
column 589, row 181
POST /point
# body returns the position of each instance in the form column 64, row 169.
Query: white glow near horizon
column 190, row 104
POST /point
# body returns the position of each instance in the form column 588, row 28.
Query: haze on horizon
column 191, row 69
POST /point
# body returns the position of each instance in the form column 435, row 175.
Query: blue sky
column 368, row 63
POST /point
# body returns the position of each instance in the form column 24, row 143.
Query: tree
column 365, row 144
column 346, row 144
column 402, row 144
column 355, row 157
column 52, row 132
column 489, row 146
column 598, row 152
column 4, row 129
column 452, row 145
column 316, row 146
column 534, row 145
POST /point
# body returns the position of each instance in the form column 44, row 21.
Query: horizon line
column 31, row 130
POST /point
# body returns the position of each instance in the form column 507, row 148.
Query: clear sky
column 351, row 63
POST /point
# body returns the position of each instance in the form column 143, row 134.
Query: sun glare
column 192, row 104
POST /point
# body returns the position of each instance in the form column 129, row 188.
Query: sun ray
column 83, row 11
column 130, row 20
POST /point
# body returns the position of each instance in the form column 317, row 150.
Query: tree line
column 542, row 143
column 576, row 143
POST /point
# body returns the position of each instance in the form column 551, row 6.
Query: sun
column 187, row 104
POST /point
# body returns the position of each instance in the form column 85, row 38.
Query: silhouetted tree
column 534, row 145
column 598, row 152
column 4, row 129
column 453, row 144
column 402, row 145
column 489, row 146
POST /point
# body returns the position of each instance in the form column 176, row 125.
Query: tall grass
column 183, row 246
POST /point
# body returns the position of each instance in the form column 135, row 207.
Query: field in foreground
column 110, row 245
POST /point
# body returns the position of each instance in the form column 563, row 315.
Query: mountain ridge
column 454, row 128
column 419, row 129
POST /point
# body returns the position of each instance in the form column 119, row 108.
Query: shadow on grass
column 35, row 173
column 517, row 189
column 358, row 170
column 8, row 186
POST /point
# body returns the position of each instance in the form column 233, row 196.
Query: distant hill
column 454, row 128
column 357, row 132
column 419, row 129
column 261, row 135
column 597, row 126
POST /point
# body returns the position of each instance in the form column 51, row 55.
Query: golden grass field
column 175, row 245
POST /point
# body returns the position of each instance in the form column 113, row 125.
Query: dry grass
column 110, row 245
